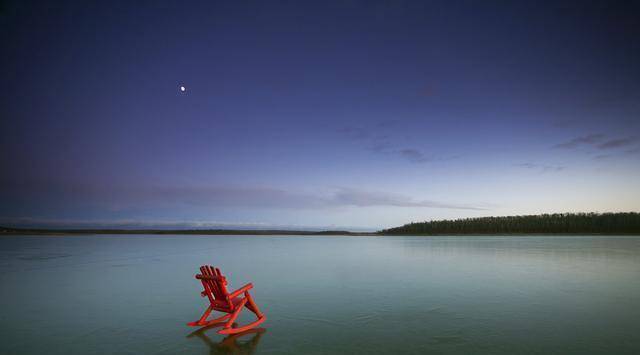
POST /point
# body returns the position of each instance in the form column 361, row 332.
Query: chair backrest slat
column 222, row 284
column 215, row 288
column 212, row 285
column 218, row 283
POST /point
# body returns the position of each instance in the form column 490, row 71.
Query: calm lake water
column 439, row 295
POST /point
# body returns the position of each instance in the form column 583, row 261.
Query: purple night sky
column 346, row 114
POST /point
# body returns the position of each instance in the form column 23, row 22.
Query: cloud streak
column 618, row 143
column 590, row 139
column 603, row 147
column 208, row 198
column 413, row 155
column 542, row 168
column 381, row 144
column 597, row 141
column 260, row 197
column 362, row 198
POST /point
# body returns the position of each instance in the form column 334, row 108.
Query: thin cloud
column 168, row 198
column 276, row 198
column 597, row 141
column 598, row 144
column 542, row 168
column 355, row 133
column 413, row 155
column 381, row 144
column 628, row 153
column 633, row 151
column 590, row 139
column 618, row 143
column 362, row 198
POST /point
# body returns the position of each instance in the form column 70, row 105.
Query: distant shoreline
column 605, row 224
column 243, row 232
column 616, row 223
column 47, row 231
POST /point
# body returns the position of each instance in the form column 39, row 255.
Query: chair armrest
column 242, row 289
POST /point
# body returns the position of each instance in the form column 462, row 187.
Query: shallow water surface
column 133, row 294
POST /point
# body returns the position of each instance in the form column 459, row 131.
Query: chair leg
column 202, row 319
column 253, row 307
column 246, row 302
column 235, row 314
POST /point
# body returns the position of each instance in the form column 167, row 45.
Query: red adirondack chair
column 215, row 288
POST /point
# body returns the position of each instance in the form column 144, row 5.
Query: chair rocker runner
column 215, row 289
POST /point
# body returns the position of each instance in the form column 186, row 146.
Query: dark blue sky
column 340, row 114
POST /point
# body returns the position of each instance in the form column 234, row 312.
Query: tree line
column 557, row 223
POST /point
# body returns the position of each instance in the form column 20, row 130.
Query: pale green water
column 437, row 295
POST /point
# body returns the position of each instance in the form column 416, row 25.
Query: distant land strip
column 621, row 223
column 558, row 223
column 78, row 231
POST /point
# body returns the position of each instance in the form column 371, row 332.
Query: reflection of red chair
column 231, row 343
column 215, row 288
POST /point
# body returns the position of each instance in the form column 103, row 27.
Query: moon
column 183, row 89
